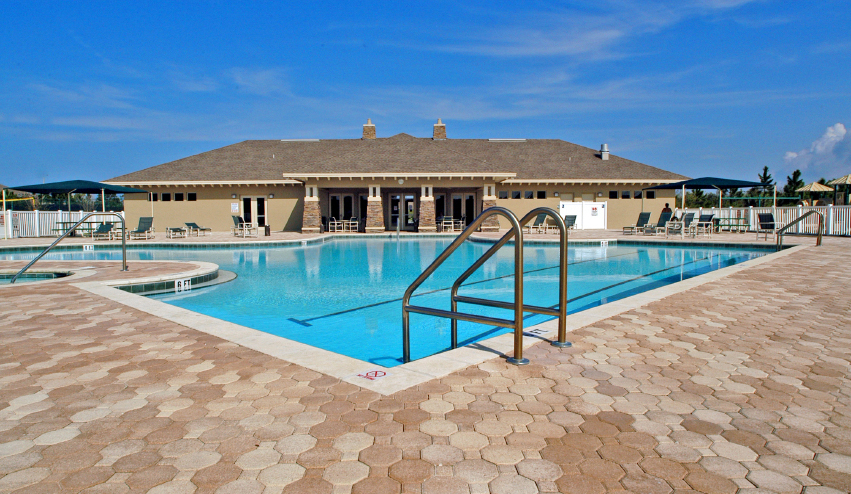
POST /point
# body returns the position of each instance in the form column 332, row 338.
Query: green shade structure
column 78, row 186
column 709, row 183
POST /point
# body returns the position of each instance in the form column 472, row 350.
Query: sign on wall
column 234, row 207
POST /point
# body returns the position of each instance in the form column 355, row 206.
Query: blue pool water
column 344, row 295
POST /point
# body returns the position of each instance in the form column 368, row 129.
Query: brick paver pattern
column 739, row 385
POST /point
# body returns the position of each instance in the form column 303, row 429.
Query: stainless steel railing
column 781, row 231
column 516, row 232
column 70, row 230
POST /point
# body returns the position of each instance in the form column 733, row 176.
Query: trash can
column 268, row 230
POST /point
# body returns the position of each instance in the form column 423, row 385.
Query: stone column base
column 312, row 218
column 374, row 215
column 491, row 224
column 427, row 221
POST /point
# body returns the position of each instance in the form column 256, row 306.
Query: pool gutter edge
column 390, row 380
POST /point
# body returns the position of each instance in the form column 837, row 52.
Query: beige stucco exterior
column 212, row 209
column 284, row 210
column 621, row 212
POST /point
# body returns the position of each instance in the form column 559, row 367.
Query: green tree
column 793, row 183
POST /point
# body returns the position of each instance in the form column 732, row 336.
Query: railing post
column 829, row 219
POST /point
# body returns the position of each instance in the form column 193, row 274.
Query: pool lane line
column 306, row 322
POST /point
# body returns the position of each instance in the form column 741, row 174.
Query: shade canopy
column 815, row 187
column 709, row 183
column 78, row 186
column 846, row 180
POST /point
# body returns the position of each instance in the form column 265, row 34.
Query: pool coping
column 388, row 380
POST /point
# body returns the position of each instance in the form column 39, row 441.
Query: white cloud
column 829, row 156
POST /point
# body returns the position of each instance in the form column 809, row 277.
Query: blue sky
column 93, row 90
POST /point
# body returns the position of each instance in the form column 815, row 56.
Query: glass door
column 394, row 205
column 410, row 212
column 246, row 209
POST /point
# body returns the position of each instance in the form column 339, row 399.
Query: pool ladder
column 68, row 232
column 518, row 306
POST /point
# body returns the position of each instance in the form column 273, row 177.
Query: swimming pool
column 344, row 295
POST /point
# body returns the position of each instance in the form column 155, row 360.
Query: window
column 515, row 194
column 178, row 196
column 636, row 194
column 503, row 194
column 542, row 194
column 651, row 194
column 191, row 196
column 166, row 196
column 153, row 196
column 528, row 195
column 613, row 194
column 625, row 194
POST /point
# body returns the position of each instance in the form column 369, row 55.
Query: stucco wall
column 621, row 212
column 212, row 208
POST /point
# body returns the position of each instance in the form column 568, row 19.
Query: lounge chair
column 641, row 222
column 144, row 230
column 664, row 218
column 175, row 232
column 766, row 224
column 703, row 225
column 539, row 225
column 679, row 227
column 103, row 232
column 570, row 221
column 199, row 230
column 242, row 229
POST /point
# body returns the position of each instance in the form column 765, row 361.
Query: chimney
column 439, row 130
column 604, row 152
column 369, row 129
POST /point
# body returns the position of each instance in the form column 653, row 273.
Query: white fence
column 837, row 219
column 43, row 223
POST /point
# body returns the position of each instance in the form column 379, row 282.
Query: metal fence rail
column 33, row 224
column 837, row 219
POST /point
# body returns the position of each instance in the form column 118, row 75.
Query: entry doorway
column 342, row 206
column 403, row 206
column 464, row 207
column 254, row 210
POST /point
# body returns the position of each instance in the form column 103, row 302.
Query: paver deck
column 741, row 384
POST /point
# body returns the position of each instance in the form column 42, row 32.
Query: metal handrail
column 781, row 231
column 561, row 312
column 517, row 323
column 68, row 232
column 518, row 306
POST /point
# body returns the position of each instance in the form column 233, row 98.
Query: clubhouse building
column 389, row 183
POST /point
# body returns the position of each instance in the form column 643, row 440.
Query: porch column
column 374, row 211
column 491, row 223
column 312, row 217
column 427, row 220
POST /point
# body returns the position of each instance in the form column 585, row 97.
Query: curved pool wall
column 6, row 278
column 344, row 294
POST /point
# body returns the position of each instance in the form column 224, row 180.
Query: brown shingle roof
column 533, row 159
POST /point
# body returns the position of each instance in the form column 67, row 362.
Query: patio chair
column 144, row 230
column 664, row 218
column 539, row 225
column 175, row 232
column 641, row 222
column 352, row 224
column 103, row 232
column 199, row 230
column 765, row 224
column 242, row 229
column 703, row 225
column 679, row 227
column 335, row 225
column 460, row 224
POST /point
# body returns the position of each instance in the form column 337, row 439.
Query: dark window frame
column 178, row 196
column 191, row 196
column 613, row 194
column 503, row 194
column 626, row 194
column 528, row 194
column 651, row 194
column 516, row 194
column 541, row 194
column 636, row 194
column 165, row 196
